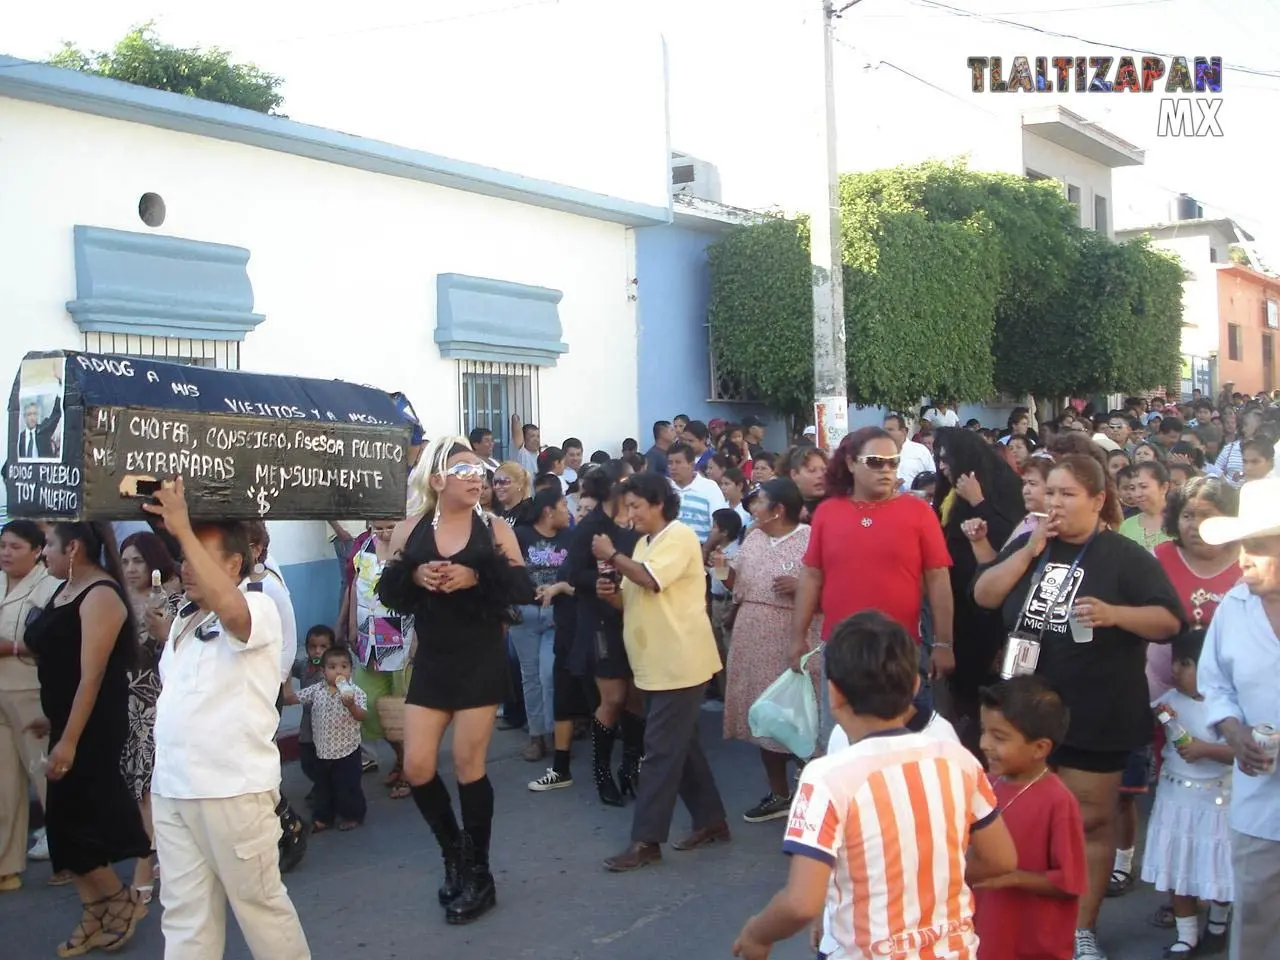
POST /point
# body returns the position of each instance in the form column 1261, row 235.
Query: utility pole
column 830, row 384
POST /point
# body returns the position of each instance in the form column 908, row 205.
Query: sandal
column 121, row 922
column 1163, row 917
column 1121, row 882
column 401, row 789
column 88, row 932
column 61, row 878
column 319, row 826
column 393, row 778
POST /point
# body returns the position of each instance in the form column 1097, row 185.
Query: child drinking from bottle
column 1188, row 840
column 337, row 711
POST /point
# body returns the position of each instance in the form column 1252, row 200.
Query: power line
column 961, row 12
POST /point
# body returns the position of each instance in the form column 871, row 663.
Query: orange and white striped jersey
column 891, row 815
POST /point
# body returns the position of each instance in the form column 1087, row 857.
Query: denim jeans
column 534, row 640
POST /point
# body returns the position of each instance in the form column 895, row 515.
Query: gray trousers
column 674, row 766
column 1255, row 928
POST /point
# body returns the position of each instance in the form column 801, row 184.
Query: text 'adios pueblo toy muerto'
column 93, row 437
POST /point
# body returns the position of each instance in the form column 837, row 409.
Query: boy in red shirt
column 1030, row 914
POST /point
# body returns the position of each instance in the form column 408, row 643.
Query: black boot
column 632, row 753
column 601, row 753
column 479, row 895
column 436, row 808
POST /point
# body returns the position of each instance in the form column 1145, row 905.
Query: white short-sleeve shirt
column 216, row 716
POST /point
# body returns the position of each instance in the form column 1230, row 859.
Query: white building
column 1203, row 245
column 147, row 223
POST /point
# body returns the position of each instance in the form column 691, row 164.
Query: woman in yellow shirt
column 662, row 592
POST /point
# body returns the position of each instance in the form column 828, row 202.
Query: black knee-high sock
column 476, row 800
column 436, row 807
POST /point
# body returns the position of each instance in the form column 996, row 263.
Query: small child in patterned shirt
column 308, row 673
column 337, row 711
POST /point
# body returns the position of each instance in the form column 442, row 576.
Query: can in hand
column 1021, row 657
column 607, row 571
column 1267, row 737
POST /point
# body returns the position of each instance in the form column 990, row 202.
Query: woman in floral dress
column 763, row 579
column 140, row 555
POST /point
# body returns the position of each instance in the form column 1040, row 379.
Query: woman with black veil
column 598, row 650
column 974, row 483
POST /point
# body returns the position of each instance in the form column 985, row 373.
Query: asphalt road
column 372, row 893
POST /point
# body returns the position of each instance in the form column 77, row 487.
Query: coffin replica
column 92, row 438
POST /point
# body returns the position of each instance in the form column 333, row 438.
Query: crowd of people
column 1012, row 634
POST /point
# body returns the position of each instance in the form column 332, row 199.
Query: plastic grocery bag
column 787, row 712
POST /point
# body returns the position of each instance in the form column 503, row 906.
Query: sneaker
column 40, row 848
column 369, row 766
column 772, row 807
column 1087, row 946
column 551, row 780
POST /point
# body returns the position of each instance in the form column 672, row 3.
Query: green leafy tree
column 208, row 74
column 761, row 313
column 913, row 329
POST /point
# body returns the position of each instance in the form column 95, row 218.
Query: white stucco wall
column 1093, row 179
column 1199, row 293
column 343, row 264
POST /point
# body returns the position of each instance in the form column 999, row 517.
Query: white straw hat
column 1259, row 515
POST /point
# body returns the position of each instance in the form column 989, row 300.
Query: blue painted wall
column 672, row 355
column 315, row 587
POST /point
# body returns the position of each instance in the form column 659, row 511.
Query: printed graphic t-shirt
column 543, row 556
column 1103, row 681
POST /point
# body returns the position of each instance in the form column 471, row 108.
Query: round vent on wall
column 151, row 209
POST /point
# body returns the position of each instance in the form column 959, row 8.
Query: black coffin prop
column 90, row 438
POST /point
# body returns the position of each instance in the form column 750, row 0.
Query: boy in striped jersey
column 879, row 831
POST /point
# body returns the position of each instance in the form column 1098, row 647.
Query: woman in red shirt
column 1201, row 574
column 873, row 549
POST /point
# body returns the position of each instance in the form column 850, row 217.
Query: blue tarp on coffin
column 90, row 436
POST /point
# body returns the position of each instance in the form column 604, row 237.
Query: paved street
column 371, row 894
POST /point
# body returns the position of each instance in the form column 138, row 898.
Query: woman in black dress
column 598, row 649
column 85, row 643
column 974, row 483
column 457, row 571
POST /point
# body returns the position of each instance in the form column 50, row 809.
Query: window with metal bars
column 489, row 393
column 223, row 354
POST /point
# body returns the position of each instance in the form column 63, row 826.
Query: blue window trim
column 150, row 285
column 86, row 93
column 478, row 318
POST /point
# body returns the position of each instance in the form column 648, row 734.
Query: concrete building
column 146, row 223
column 1078, row 153
column 1205, row 246
column 675, row 370
column 1249, row 325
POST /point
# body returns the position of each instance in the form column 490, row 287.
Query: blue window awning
column 150, row 285
column 498, row 321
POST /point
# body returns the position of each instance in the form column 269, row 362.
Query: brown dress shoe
column 634, row 857
column 716, row 833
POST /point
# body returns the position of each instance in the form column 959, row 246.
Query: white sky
column 458, row 76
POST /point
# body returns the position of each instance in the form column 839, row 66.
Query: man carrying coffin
column 216, row 784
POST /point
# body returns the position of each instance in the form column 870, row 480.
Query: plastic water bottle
column 157, row 599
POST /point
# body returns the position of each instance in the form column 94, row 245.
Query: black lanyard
column 1062, row 590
